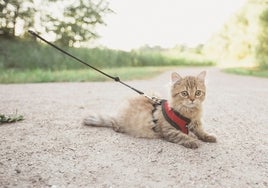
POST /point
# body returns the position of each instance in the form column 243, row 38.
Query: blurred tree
column 244, row 36
column 70, row 21
column 13, row 12
column 262, row 45
column 77, row 22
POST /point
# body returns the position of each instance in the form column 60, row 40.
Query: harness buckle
column 155, row 100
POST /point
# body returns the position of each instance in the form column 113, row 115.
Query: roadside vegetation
column 248, row 71
column 242, row 40
column 78, row 75
column 24, row 61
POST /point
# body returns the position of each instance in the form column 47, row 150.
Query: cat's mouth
column 190, row 104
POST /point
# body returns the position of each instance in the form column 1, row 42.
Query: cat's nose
column 191, row 99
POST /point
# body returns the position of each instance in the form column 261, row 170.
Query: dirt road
column 51, row 148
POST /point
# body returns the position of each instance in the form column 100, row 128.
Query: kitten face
column 189, row 91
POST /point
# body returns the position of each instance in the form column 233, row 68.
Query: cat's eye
column 198, row 93
column 184, row 93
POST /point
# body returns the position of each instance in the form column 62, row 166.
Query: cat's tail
column 100, row 121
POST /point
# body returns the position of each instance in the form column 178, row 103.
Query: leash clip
column 154, row 99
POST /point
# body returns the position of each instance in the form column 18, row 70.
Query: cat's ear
column 175, row 77
column 202, row 76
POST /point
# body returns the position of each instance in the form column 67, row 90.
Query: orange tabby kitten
column 143, row 118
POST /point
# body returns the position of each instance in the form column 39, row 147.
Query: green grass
column 248, row 71
column 25, row 61
column 32, row 55
column 79, row 75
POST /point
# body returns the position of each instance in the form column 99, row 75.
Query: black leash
column 117, row 79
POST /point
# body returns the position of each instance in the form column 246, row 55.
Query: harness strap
column 155, row 120
column 175, row 118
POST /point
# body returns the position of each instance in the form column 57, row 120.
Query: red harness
column 175, row 118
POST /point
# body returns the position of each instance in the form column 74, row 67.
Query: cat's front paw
column 193, row 144
column 209, row 138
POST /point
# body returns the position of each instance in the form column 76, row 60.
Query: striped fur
column 136, row 118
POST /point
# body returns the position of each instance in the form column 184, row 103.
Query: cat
column 147, row 118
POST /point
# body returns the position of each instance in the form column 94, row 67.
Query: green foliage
column 11, row 12
column 262, row 46
column 10, row 118
column 31, row 55
column 235, row 41
column 248, row 71
column 77, row 75
column 244, row 37
column 75, row 20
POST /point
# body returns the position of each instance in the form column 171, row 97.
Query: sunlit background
column 164, row 23
column 132, row 33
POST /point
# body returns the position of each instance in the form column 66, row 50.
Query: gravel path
column 51, row 148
